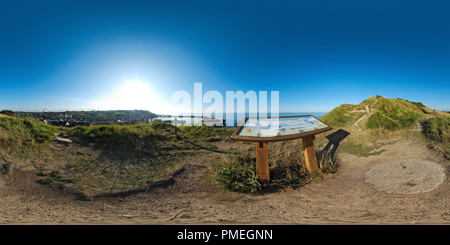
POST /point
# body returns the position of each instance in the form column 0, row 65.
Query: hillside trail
column 343, row 198
column 369, row 112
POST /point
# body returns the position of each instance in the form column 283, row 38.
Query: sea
column 237, row 117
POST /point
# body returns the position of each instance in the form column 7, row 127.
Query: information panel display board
column 264, row 130
column 279, row 128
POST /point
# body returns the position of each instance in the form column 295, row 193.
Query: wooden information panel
column 271, row 129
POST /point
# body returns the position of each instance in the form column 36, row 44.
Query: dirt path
column 363, row 117
column 369, row 112
column 343, row 198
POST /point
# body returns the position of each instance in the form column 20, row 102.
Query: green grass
column 393, row 114
column 53, row 176
column 389, row 114
column 16, row 133
column 438, row 129
column 138, row 139
column 236, row 173
column 343, row 115
column 206, row 133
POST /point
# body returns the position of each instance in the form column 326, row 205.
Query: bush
column 236, row 173
column 8, row 113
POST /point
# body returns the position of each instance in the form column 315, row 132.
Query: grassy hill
column 379, row 113
column 378, row 121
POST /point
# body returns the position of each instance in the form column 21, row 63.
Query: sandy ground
column 344, row 198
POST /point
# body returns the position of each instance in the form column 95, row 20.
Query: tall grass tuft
column 141, row 138
column 236, row 173
column 18, row 132
column 438, row 129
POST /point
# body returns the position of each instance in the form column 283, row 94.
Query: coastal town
column 109, row 117
column 91, row 118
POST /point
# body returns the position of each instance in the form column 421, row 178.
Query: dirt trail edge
column 369, row 112
column 344, row 198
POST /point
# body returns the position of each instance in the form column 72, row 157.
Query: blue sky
column 317, row 54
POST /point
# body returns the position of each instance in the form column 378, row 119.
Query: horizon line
column 171, row 113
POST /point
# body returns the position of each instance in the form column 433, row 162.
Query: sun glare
column 134, row 94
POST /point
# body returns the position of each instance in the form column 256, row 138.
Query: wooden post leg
column 310, row 154
column 176, row 136
column 262, row 161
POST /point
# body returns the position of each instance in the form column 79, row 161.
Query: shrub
column 8, row 113
column 236, row 173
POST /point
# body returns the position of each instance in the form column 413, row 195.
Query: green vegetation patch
column 393, row 114
column 18, row 132
column 236, row 173
column 53, row 176
column 438, row 129
column 8, row 113
column 206, row 133
column 344, row 115
column 389, row 114
column 141, row 138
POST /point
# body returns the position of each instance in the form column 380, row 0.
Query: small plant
column 6, row 168
column 53, row 176
column 236, row 173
